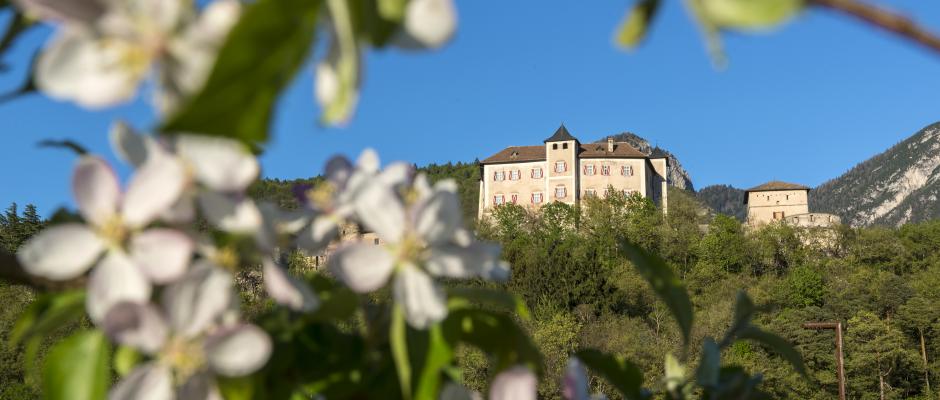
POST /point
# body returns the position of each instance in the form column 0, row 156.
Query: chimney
column 610, row 144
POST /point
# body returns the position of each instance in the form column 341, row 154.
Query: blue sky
column 803, row 103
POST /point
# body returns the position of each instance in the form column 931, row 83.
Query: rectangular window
column 536, row 198
column 498, row 199
column 589, row 169
column 605, row 170
column 560, row 192
column 627, row 192
column 514, row 175
column 564, row 145
column 554, row 146
column 514, row 198
column 778, row 215
column 590, row 193
column 560, row 166
column 499, row 176
column 536, row 173
column 626, row 170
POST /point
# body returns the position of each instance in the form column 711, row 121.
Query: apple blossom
column 331, row 202
column 516, row 383
column 186, row 338
column 115, row 225
column 421, row 229
column 104, row 49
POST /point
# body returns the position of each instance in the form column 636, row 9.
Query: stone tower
column 562, row 167
column 775, row 201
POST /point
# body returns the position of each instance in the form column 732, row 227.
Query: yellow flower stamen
column 185, row 357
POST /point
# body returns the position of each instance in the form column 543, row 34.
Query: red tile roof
column 777, row 185
column 537, row 153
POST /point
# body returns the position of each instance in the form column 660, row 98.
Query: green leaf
column 239, row 388
column 77, row 368
column 262, row 54
column 399, row 342
column 664, row 282
column 438, row 356
column 750, row 14
column 48, row 312
column 776, row 343
column 337, row 302
column 494, row 333
column 125, row 359
column 712, row 38
column 709, row 366
column 675, row 374
column 622, row 374
column 743, row 312
column 633, row 29
column 392, row 10
column 464, row 297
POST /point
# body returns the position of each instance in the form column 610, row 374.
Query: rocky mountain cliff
column 895, row 187
column 677, row 176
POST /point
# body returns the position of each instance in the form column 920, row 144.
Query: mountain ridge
column 676, row 177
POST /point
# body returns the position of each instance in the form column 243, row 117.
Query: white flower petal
column 364, row 268
column 150, row 381
column 477, row 260
column 230, row 214
column 516, row 383
column 155, row 188
column 60, row 252
column 183, row 211
column 381, row 211
column 318, row 235
column 68, row 11
column 216, row 20
column 139, row 325
column 424, row 302
column 368, row 161
column 198, row 298
column 78, row 67
column 288, row 290
column 337, row 170
column 454, row 391
column 238, row 351
column 397, row 174
column 326, row 84
column 96, row 188
column 439, row 216
column 431, row 23
column 114, row 280
column 162, row 254
column 575, row 382
column 221, row 164
column 133, row 147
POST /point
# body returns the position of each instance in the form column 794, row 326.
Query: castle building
column 563, row 169
column 774, row 201
column 785, row 202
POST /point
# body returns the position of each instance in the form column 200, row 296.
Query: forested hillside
column 883, row 283
column 724, row 199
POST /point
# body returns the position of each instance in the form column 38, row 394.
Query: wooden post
column 840, row 361
column 923, row 354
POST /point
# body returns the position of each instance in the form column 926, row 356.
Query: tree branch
column 884, row 19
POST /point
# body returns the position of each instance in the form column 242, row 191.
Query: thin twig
column 884, row 19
